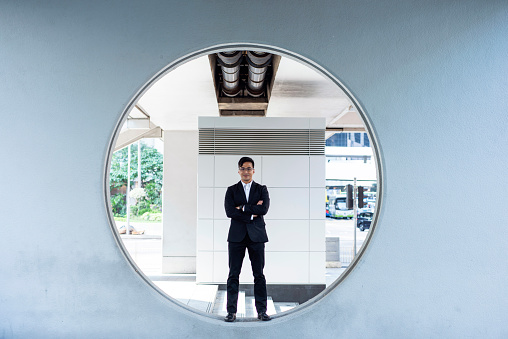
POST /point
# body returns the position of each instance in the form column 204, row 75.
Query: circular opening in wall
column 174, row 182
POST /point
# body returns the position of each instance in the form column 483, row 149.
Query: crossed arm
column 261, row 208
column 235, row 212
column 260, row 202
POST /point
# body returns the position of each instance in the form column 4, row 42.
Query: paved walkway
column 146, row 251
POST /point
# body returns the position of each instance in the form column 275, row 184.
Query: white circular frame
column 253, row 47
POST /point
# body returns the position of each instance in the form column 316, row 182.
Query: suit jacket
column 241, row 222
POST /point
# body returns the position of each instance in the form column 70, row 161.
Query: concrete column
column 179, row 202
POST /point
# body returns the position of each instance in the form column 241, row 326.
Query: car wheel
column 362, row 228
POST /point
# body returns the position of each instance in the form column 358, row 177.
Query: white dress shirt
column 246, row 188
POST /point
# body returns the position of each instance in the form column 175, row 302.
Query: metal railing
column 347, row 255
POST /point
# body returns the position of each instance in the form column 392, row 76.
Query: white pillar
column 139, row 164
column 179, row 202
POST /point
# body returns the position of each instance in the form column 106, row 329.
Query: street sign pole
column 139, row 164
column 354, row 213
column 128, row 190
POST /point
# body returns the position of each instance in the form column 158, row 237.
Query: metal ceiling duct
column 258, row 64
column 230, row 65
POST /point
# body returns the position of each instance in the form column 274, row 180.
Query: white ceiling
column 299, row 91
column 176, row 101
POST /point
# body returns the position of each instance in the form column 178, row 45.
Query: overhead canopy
column 176, row 100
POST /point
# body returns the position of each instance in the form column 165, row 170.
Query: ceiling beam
column 345, row 129
column 341, row 114
column 132, row 135
column 135, row 123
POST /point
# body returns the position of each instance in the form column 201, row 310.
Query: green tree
column 151, row 177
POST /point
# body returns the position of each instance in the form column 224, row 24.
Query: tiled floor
column 246, row 305
column 146, row 252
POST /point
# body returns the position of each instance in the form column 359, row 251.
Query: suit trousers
column 236, row 252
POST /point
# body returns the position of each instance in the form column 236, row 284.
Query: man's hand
column 260, row 202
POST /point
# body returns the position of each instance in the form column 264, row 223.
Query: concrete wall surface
column 431, row 77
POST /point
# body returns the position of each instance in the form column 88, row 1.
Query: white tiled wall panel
column 220, row 234
column 205, row 203
column 317, row 123
column 205, row 235
column 246, row 276
column 288, row 203
column 295, row 253
column 287, row 267
column 206, row 122
column 317, row 171
column 286, row 171
column 317, row 271
column 226, row 170
column 317, row 233
column 317, row 203
column 204, row 266
column 219, row 193
column 206, row 169
column 261, row 123
column 287, row 235
column 220, row 267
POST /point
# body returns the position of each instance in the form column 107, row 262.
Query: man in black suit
column 246, row 202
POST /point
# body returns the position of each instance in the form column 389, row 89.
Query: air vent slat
column 261, row 141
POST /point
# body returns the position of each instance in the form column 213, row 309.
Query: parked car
column 364, row 220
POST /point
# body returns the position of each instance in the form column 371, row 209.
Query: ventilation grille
column 262, row 141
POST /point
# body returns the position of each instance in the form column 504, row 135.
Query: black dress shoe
column 230, row 317
column 263, row 316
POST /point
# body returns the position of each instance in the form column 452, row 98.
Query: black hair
column 244, row 160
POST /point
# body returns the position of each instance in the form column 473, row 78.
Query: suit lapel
column 253, row 188
column 241, row 192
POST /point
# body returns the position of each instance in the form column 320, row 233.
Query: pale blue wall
column 431, row 75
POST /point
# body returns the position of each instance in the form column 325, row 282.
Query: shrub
column 137, row 193
column 144, row 211
column 118, row 204
column 155, row 217
column 143, row 205
column 151, row 216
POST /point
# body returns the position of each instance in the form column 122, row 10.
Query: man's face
column 246, row 171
